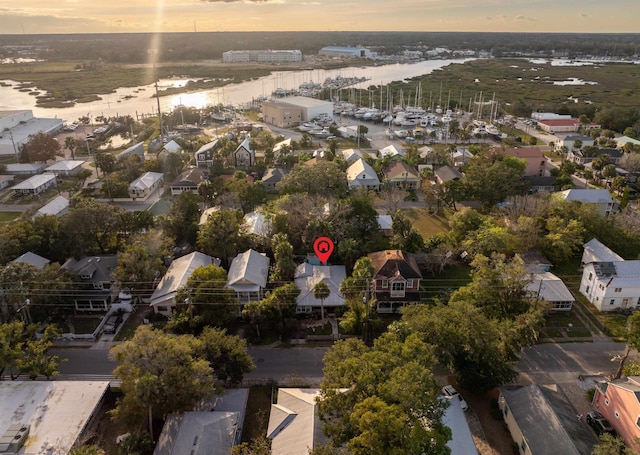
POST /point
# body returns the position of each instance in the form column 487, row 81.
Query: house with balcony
column 607, row 282
column 94, row 280
column 396, row 280
column 400, row 174
column 619, row 402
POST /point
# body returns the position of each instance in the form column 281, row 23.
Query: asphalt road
column 562, row 362
column 271, row 363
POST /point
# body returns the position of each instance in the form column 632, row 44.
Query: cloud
column 525, row 18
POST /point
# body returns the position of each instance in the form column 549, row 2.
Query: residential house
column 461, row 156
column 396, row 279
column 542, row 421
column 596, row 251
column 307, row 275
column 361, row 175
column 281, row 146
column 542, row 183
column 95, row 281
column 248, row 275
column 391, row 150
column 205, row 154
column 272, row 177
column 569, row 141
column 623, row 140
column 402, row 175
column 134, row 150
column 533, row 157
column 172, row 147
column 66, row 168
column 212, row 429
column 258, row 225
column 25, row 168
column 386, row 225
column 547, row 287
column 619, row 402
column 244, row 157
column 36, row 185
column 601, row 199
column 146, row 184
column 58, row 206
column 32, row 259
column 294, row 426
column 352, row 154
column 445, row 174
column 6, row 180
column 580, row 156
column 163, row 299
column 188, row 180
column 609, row 284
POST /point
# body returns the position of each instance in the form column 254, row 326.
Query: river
column 138, row 100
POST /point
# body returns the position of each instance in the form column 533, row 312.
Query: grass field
column 426, row 224
column 6, row 217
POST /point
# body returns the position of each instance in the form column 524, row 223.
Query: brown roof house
column 402, row 175
column 536, row 162
column 396, row 279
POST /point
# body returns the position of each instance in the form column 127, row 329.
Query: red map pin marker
column 323, row 246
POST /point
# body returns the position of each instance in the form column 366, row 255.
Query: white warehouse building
column 292, row 111
column 262, row 56
column 17, row 126
column 349, row 52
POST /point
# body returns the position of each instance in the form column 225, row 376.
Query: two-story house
column 402, row 175
column 610, row 284
column 94, row 277
column 361, row 175
column 206, row 153
column 532, row 156
column 601, row 199
column 618, row 401
column 244, row 157
column 396, row 279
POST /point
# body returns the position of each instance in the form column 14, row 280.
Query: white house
column 248, row 275
column 257, row 224
column 361, row 175
column 244, row 157
column 602, row 199
column 546, row 286
column 58, row 206
column 308, row 275
column 36, row 184
column 146, row 184
column 391, row 150
column 596, row 251
column 66, row 168
column 163, row 299
column 610, row 284
column 136, row 149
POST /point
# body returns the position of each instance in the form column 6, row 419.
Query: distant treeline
column 135, row 47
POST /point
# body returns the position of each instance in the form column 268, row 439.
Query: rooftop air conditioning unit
column 13, row 439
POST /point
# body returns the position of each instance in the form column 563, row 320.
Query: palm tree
column 70, row 143
column 321, row 291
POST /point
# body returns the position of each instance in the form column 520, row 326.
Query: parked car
column 451, row 393
column 599, row 423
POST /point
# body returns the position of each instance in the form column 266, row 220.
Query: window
column 638, row 422
column 618, row 290
column 162, row 308
column 606, row 401
column 587, row 291
column 612, row 301
column 384, row 284
column 397, row 289
column 616, row 414
column 590, row 276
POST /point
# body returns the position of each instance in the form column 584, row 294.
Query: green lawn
column 6, row 217
column 426, row 224
column 85, row 324
column 441, row 286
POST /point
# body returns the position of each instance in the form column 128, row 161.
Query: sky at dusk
column 104, row 16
